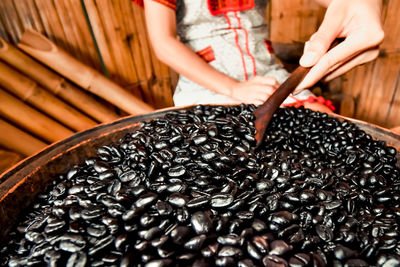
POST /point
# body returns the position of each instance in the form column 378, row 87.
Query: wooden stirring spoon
column 265, row 111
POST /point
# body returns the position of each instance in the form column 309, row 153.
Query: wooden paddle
column 265, row 111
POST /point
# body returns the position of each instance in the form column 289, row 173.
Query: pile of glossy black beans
column 191, row 189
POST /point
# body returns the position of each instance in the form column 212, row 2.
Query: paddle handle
column 276, row 99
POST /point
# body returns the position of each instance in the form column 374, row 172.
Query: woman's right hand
column 254, row 91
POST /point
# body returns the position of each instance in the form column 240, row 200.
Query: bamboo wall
column 121, row 48
column 110, row 37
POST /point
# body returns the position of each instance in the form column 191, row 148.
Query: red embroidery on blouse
column 247, row 45
column 237, row 45
column 168, row 3
column 223, row 6
column 207, row 54
column 268, row 45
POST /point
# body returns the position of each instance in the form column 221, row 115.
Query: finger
column 320, row 41
column 337, row 55
column 266, row 80
column 337, row 69
column 261, row 96
column 365, row 57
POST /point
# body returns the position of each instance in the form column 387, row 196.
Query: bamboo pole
column 55, row 83
column 16, row 140
column 30, row 92
column 14, row 110
column 8, row 159
column 49, row 54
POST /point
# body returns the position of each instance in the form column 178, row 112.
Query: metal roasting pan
column 20, row 184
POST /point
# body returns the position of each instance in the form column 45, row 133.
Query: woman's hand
column 359, row 22
column 254, row 91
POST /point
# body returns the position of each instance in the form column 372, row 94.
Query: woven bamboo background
column 110, row 36
column 121, row 52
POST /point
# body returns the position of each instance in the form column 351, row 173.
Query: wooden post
column 29, row 91
column 16, row 140
column 55, row 83
column 49, row 54
column 30, row 119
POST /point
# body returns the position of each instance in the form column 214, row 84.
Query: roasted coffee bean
column 210, row 250
column 230, row 251
column 195, row 243
column 189, row 188
column 201, row 222
column 246, row 263
column 253, row 251
column 221, row 200
column 146, row 200
column 198, row 202
column 299, row 260
column 177, row 171
column 180, row 234
column 178, row 200
column 159, row 263
column 274, row 261
column 342, row 252
column 230, row 239
column 279, row 248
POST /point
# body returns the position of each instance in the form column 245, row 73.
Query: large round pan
column 20, row 184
